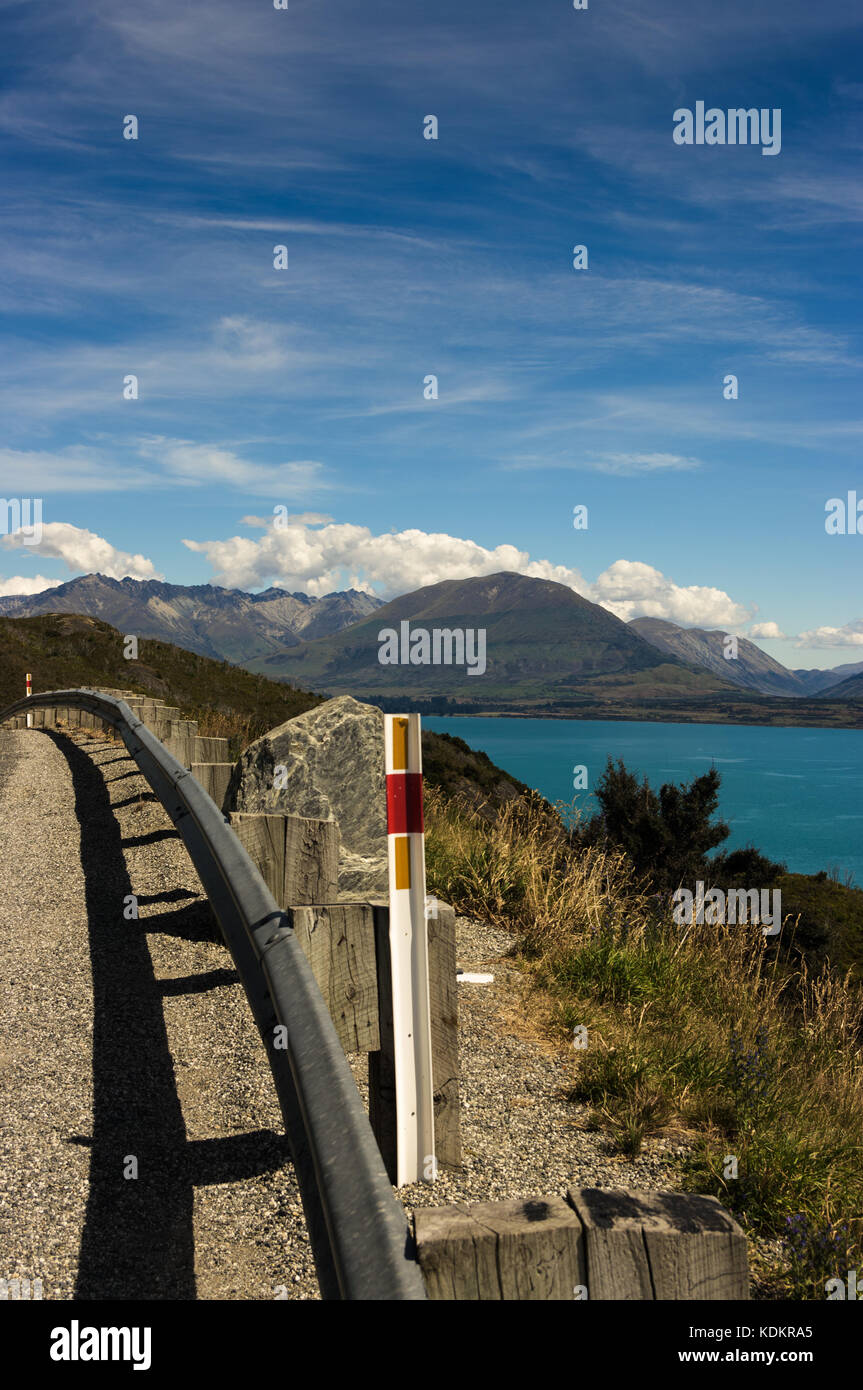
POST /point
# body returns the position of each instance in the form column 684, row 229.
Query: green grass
column 755, row 1054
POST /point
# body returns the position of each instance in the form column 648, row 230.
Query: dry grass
column 706, row 1027
column 240, row 730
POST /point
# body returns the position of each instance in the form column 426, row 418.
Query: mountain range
column 224, row 624
column 751, row 668
column 547, row 649
column 543, row 643
column 850, row 689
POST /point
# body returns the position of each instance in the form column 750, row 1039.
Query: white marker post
column 415, row 1155
column 29, row 693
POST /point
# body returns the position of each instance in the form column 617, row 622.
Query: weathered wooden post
column 661, row 1245
column 298, row 857
column 214, row 778
column 526, row 1250
column 209, row 750
column 599, row 1244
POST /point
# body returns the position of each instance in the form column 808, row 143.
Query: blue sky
column 303, row 388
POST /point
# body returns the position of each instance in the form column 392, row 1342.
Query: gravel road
column 128, row 1047
column 127, row 1040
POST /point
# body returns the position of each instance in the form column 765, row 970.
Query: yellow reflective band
column 400, row 745
column 401, row 845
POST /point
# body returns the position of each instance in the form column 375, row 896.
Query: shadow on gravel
column 198, row 984
column 239, row 1157
column 166, row 895
column 152, row 837
column 192, row 922
column 136, row 799
column 138, row 1239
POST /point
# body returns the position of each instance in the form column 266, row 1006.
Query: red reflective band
column 404, row 803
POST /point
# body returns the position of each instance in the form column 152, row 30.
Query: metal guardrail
column 360, row 1239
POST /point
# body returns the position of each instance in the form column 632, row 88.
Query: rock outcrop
column 333, row 761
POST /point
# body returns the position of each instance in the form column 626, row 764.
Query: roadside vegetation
column 751, row 1046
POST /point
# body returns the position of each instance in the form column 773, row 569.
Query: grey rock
column 333, row 757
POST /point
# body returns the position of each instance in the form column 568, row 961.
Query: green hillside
column 850, row 689
column 66, row 650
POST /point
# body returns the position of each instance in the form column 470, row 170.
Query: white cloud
column 320, row 558
column 294, row 519
column 765, row 630
column 624, row 465
column 32, row 584
column 83, row 551
column 631, row 589
column 851, row 635
column 317, row 558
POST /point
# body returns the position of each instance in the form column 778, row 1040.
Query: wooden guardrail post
column 662, row 1245
column 525, row 1250
column 209, row 750
column 214, row 778
column 443, row 995
column 298, row 857
column 600, row 1244
column 338, row 942
column 382, row 1062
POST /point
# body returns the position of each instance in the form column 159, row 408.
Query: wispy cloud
column 849, row 635
column 626, row 465
column 145, row 463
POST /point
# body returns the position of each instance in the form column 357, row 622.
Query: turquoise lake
column 796, row 794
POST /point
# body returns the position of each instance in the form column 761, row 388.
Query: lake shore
column 757, row 711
